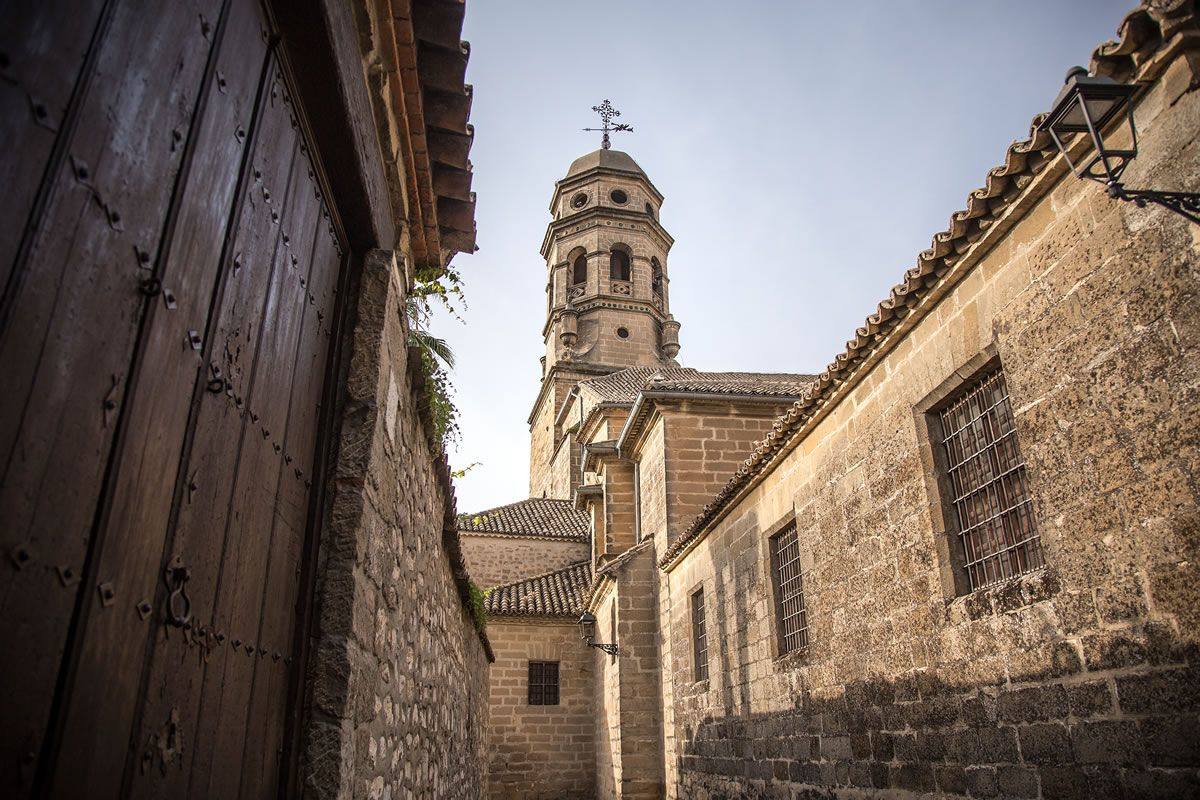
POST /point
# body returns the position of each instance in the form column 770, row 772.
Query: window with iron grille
column 543, row 683
column 789, row 591
column 699, row 638
column 985, row 480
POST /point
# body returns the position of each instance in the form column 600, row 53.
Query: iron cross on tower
column 607, row 112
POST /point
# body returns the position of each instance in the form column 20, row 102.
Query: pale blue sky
column 808, row 151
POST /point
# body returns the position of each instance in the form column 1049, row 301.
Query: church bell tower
column 607, row 282
column 607, row 296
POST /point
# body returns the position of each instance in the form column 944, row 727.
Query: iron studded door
column 166, row 324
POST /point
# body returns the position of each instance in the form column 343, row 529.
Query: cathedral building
column 624, row 442
column 961, row 561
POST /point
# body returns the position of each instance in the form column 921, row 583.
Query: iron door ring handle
column 183, row 616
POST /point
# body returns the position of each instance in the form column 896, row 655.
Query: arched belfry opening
column 579, row 268
column 620, row 267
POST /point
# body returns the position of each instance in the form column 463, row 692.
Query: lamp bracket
column 1185, row 204
column 611, row 649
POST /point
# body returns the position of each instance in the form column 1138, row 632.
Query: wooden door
column 170, row 279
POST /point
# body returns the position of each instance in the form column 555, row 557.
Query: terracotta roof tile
column 538, row 517
column 554, row 594
column 1142, row 33
column 767, row 384
column 625, row 385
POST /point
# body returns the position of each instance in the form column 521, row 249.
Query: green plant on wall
column 437, row 357
column 478, row 611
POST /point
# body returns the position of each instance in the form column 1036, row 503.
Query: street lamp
column 1087, row 104
column 587, row 626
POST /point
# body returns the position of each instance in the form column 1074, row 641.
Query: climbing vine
column 444, row 289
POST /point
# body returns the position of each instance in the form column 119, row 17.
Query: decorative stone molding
column 670, row 338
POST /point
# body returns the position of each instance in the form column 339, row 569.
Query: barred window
column 789, row 590
column 985, row 476
column 543, row 683
column 699, row 638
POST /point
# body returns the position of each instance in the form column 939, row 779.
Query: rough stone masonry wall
column 398, row 698
column 1080, row 680
column 495, row 560
column 540, row 752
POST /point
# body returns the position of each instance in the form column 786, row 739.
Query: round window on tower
column 619, row 197
column 579, row 200
column 623, row 333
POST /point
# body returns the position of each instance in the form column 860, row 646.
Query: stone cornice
column 610, row 301
column 596, row 213
column 590, row 175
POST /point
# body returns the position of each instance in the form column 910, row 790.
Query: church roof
column 607, row 159
column 766, row 384
column 536, row 517
column 624, row 386
column 557, row 593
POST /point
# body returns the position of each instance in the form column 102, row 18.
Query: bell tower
column 606, row 257
column 607, row 293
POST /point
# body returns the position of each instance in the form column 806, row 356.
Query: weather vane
column 607, row 112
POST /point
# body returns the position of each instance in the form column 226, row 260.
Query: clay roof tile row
column 625, row 385
column 557, row 593
column 536, row 517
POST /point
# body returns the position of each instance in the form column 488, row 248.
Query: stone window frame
column 951, row 560
column 700, row 668
column 779, row 658
column 544, row 683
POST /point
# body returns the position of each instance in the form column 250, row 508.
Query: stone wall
column 607, row 691
column 495, row 560
column 397, row 704
column 543, row 438
column 540, row 751
column 707, row 442
column 652, row 482
column 1079, row 680
column 619, row 505
column 628, row 684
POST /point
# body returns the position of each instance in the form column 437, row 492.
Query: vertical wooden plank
column 265, row 465
column 109, row 677
column 222, row 430
column 73, row 323
column 44, row 44
column 277, row 613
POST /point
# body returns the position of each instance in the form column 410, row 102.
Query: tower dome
column 607, row 159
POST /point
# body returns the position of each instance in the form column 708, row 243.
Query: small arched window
column 618, row 264
column 656, row 276
column 579, row 270
column 650, row 210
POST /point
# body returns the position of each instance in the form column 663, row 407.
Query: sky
column 808, row 151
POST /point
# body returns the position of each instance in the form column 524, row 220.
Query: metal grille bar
column 986, row 474
column 789, row 590
column 543, row 683
column 699, row 638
